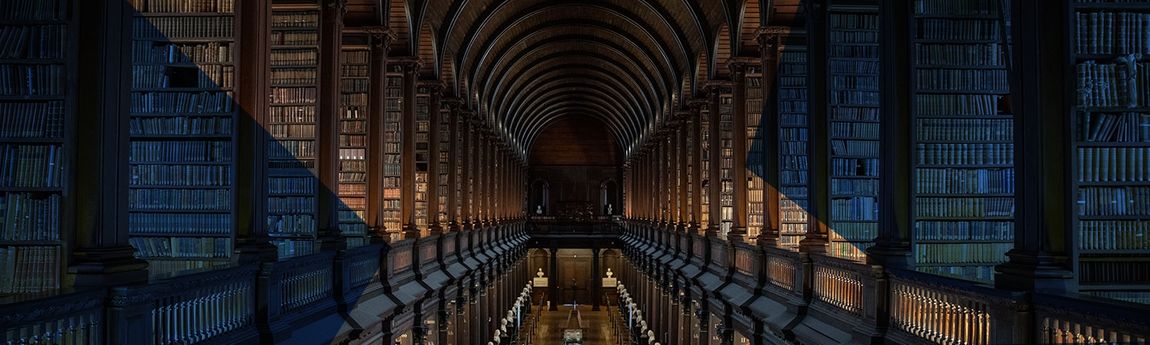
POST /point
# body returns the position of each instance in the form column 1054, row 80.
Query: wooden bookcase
column 963, row 135
column 1111, row 126
column 392, row 152
column 755, row 163
column 37, row 108
column 292, row 127
column 355, row 84
column 853, row 114
column 793, row 136
column 181, row 194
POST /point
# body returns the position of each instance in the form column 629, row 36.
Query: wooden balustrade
column 1090, row 321
column 782, row 268
column 304, row 280
column 72, row 319
column 189, row 309
column 949, row 311
column 839, row 284
column 362, row 266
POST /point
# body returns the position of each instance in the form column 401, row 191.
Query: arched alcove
column 575, row 168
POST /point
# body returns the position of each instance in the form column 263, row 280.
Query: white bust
column 609, row 273
column 540, row 273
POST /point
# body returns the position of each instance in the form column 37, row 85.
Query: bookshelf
column 181, row 192
column 1111, row 126
column 422, row 155
column 794, row 170
column 755, row 164
column 392, row 151
column 705, row 162
column 354, row 116
column 292, row 182
column 444, row 157
column 964, row 163
column 35, row 111
column 726, row 160
column 854, row 129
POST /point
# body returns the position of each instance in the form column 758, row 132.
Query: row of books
column 293, row 38
column 849, row 250
column 29, row 217
column 859, row 208
column 855, row 166
column 151, row 53
column 1114, row 235
column 292, row 185
column 291, row 224
column 295, row 76
column 281, row 57
column 354, row 71
column 854, row 81
column 855, row 130
column 964, row 181
column 180, row 199
column 291, row 149
column 185, row 6
column 853, row 36
column 352, row 154
column 1114, row 201
column 1104, row 32
column 963, row 80
column 1114, row 127
column 840, row 186
column 180, row 151
column 968, row 207
column 1121, row 271
column 965, row 154
column 293, row 95
column 29, row 269
column 180, row 28
column 32, row 119
column 853, row 231
column 854, row 97
column 181, row 125
column 34, row 10
column 971, row 130
column 162, row 77
column 33, row 166
column 32, row 41
column 32, row 80
column 180, row 223
column 206, row 102
column 958, row 55
column 182, row 247
column 353, row 140
column 1123, row 83
column 852, row 50
column 354, row 85
column 291, row 204
column 1114, row 164
column 847, row 21
column 296, row 131
column 958, row 29
column 946, row 253
column 957, row 8
column 291, row 114
column 974, row 230
column 854, row 113
column 929, row 105
column 966, row 271
column 288, row 20
column 294, row 248
column 793, row 177
column 855, row 148
column 181, row 175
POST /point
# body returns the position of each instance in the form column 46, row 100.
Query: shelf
column 1114, row 184
column 184, row 89
column 965, row 166
column 39, row 243
column 134, row 210
column 183, row 137
column 158, row 234
column 961, row 92
column 964, row 219
column 1116, row 217
column 6, row 189
column 177, row 187
column 965, row 195
column 924, row 241
column 1113, row 144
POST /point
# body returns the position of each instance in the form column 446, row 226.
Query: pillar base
column 255, row 250
column 890, row 255
column 435, row 229
column 410, row 231
column 108, row 266
column 1035, row 272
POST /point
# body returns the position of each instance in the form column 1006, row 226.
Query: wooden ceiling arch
column 523, row 64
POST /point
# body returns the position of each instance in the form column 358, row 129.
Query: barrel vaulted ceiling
column 523, row 64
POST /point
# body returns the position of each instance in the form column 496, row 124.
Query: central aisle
column 596, row 327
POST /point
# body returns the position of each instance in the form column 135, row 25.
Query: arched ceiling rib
column 526, row 63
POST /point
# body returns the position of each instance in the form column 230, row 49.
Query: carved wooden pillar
column 101, row 254
column 328, row 128
column 892, row 247
column 453, row 163
column 739, row 156
column 715, row 152
column 769, row 45
column 815, row 240
column 434, row 228
column 407, row 147
column 381, row 39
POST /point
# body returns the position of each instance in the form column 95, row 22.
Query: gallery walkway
column 596, row 327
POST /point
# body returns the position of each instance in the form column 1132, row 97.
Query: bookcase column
column 715, row 154
column 466, row 153
column 695, row 161
column 252, row 88
column 381, row 39
column 435, row 92
column 892, row 247
column 681, row 165
column 410, row 69
column 1043, row 252
column 328, row 129
column 101, row 254
column 768, row 38
column 815, row 239
column 739, row 156
column 453, row 178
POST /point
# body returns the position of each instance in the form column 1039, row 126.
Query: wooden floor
column 596, row 327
